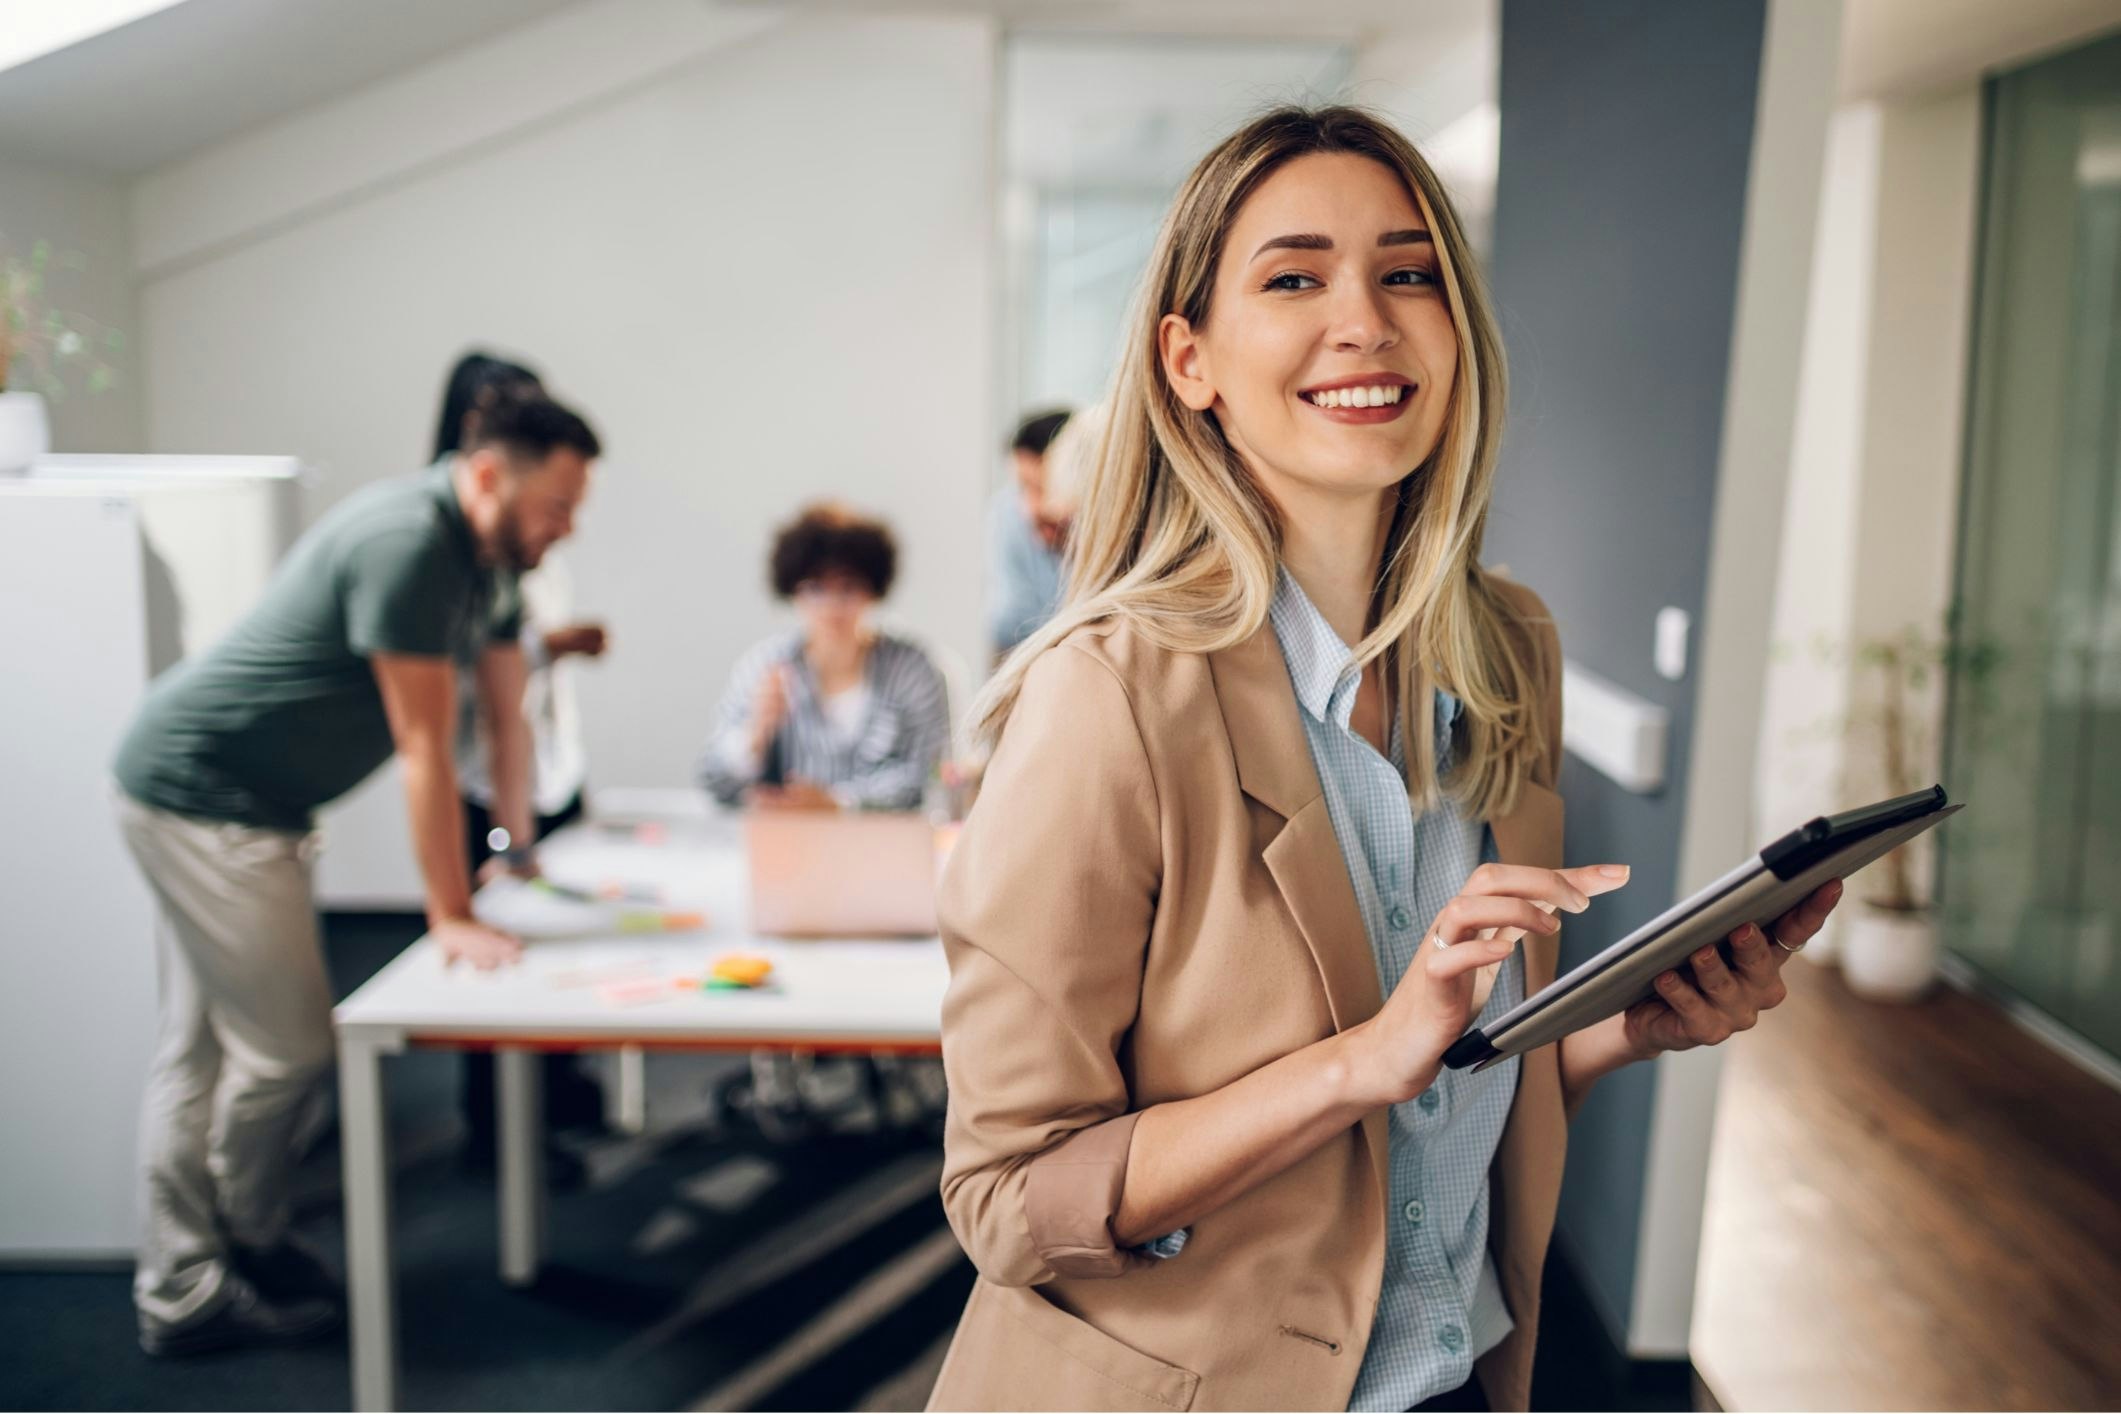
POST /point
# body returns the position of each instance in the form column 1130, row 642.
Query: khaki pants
column 245, row 1036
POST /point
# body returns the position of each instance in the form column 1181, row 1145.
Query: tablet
column 1758, row 891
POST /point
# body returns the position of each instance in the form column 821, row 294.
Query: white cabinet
column 111, row 569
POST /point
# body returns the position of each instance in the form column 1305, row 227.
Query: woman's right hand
column 769, row 707
column 1397, row 1053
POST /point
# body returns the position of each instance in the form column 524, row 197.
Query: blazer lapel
column 1274, row 767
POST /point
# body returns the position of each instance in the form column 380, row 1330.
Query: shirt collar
column 442, row 485
column 1321, row 666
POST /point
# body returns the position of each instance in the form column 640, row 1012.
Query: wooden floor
column 1913, row 1207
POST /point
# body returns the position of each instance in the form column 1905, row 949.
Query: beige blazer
column 1148, row 903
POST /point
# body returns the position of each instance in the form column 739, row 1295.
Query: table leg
column 364, row 1156
column 520, row 1097
column 632, row 1115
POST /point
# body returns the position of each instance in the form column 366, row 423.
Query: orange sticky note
column 742, row 969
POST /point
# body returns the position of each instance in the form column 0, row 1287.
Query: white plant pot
column 1888, row 955
column 25, row 431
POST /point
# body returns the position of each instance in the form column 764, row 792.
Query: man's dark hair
column 1036, row 432
column 824, row 538
column 477, row 380
column 530, row 427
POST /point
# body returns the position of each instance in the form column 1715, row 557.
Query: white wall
column 1874, row 483
column 762, row 269
column 1807, row 690
column 1914, row 406
column 86, row 215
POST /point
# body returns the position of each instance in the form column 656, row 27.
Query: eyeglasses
column 832, row 591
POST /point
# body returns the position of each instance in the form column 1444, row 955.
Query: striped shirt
column 1441, row 1304
column 884, row 764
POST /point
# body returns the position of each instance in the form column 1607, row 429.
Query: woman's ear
column 1184, row 362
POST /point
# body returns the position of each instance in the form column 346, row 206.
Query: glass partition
column 2031, row 874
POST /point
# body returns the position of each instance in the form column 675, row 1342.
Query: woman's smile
column 1361, row 399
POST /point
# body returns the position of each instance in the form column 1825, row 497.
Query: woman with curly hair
column 836, row 713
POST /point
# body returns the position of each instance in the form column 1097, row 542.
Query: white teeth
column 1375, row 395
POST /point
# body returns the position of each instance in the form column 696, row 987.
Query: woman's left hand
column 1721, row 1000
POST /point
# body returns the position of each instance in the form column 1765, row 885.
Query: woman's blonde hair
column 1070, row 459
column 1176, row 538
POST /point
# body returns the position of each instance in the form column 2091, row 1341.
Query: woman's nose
column 1362, row 324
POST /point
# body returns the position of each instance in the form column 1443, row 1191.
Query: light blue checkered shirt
column 1441, row 1305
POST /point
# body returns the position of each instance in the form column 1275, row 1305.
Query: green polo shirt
column 284, row 713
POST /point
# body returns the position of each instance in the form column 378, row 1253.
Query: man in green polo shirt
column 351, row 655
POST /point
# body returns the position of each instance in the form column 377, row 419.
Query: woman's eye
column 1410, row 277
column 1290, row 280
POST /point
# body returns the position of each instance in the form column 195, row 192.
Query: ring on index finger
column 1441, row 945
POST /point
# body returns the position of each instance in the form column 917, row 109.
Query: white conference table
column 583, row 986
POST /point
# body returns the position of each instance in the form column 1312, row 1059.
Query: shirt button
column 1413, row 1211
column 1452, row 1339
column 1399, row 919
column 1428, row 1100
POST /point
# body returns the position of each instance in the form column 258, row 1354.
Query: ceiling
column 170, row 82
column 1283, row 19
column 1905, row 48
column 129, row 85
column 168, row 77
column 1135, row 113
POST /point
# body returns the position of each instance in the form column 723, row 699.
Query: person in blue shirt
column 1025, row 537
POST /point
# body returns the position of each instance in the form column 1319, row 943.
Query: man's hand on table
column 502, row 866
column 468, row 940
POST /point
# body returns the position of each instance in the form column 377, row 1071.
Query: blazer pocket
column 1049, row 1359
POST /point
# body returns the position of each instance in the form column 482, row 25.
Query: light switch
column 1672, row 626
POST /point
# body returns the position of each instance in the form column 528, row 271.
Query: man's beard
column 515, row 554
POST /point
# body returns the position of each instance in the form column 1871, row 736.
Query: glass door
column 2031, row 874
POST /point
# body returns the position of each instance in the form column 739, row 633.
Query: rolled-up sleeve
column 1045, row 913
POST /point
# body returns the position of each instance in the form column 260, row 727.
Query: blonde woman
column 1271, row 818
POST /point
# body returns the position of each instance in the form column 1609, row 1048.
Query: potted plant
column 1887, row 944
column 40, row 348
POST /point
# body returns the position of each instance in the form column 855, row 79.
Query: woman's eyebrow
column 1311, row 240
